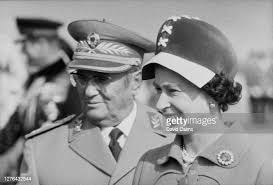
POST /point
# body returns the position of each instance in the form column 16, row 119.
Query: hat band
column 195, row 73
column 119, row 69
column 41, row 32
column 110, row 58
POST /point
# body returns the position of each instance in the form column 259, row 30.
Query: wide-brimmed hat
column 194, row 49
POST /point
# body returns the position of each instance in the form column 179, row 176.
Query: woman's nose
column 162, row 103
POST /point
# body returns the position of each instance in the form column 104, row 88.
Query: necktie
column 114, row 145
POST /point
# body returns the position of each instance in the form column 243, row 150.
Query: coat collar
column 89, row 144
column 172, row 150
column 234, row 140
column 141, row 139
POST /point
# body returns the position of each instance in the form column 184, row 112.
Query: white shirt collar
column 125, row 126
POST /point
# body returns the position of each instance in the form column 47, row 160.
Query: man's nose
column 91, row 89
column 162, row 103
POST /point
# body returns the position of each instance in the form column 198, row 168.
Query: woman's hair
column 224, row 91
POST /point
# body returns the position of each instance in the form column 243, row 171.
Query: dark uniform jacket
column 67, row 155
column 164, row 165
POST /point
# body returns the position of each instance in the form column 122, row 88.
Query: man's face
column 31, row 48
column 37, row 51
column 106, row 98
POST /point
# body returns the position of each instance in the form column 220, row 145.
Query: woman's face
column 177, row 97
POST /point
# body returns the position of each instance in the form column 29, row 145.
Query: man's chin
column 95, row 114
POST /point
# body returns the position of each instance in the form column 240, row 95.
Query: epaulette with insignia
column 157, row 123
column 49, row 127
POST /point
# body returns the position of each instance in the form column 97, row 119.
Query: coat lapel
column 139, row 141
column 89, row 145
column 234, row 141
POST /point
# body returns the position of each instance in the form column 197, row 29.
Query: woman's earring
column 211, row 105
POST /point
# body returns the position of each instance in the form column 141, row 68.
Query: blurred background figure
column 258, row 70
column 35, row 88
column 13, row 75
column 49, row 95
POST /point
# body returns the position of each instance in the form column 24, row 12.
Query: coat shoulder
column 50, row 127
column 154, row 155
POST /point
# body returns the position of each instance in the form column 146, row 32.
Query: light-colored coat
column 164, row 165
column 67, row 156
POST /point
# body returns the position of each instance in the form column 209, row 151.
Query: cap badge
column 225, row 157
column 93, row 40
column 163, row 42
column 167, row 29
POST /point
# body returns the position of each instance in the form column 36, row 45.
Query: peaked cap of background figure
column 194, row 49
column 37, row 27
column 106, row 48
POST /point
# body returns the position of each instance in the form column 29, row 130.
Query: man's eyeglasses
column 98, row 79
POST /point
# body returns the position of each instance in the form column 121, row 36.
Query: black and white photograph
column 155, row 92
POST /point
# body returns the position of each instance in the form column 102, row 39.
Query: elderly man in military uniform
column 102, row 145
column 48, row 89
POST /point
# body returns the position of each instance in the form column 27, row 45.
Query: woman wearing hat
column 194, row 69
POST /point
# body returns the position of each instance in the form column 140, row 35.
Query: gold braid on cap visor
column 110, row 58
column 108, row 51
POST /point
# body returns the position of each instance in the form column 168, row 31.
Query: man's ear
column 136, row 81
column 72, row 81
